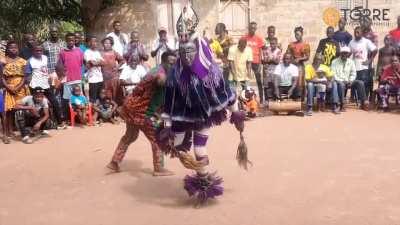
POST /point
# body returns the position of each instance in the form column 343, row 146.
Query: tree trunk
column 89, row 12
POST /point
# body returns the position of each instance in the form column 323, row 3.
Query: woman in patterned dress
column 13, row 80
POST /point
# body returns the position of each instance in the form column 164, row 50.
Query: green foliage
column 20, row 16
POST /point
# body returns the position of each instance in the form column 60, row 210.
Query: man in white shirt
column 363, row 53
column 37, row 72
column 93, row 61
column 162, row 44
column 286, row 77
column 120, row 39
column 132, row 74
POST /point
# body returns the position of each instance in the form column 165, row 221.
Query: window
column 235, row 15
column 168, row 12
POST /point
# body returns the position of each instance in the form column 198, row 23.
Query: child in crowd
column 79, row 104
column 321, row 83
column 104, row 108
column 249, row 103
column 94, row 60
column 270, row 57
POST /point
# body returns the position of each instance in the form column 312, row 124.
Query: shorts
column 106, row 114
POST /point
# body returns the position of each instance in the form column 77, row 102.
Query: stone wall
column 284, row 14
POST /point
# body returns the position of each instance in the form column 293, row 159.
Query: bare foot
column 163, row 173
column 114, row 167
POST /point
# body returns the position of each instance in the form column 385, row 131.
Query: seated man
column 32, row 114
column 79, row 104
column 104, row 108
column 319, row 78
column 390, row 82
column 344, row 73
column 286, row 78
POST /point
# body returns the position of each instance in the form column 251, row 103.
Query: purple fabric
column 215, row 119
column 186, row 144
column 203, row 187
column 198, row 67
column 200, row 139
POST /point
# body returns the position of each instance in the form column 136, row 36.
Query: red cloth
column 72, row 61
column 388, row 74
column 255, row 43
column 395, row 34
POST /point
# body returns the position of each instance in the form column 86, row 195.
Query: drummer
column 285, row 79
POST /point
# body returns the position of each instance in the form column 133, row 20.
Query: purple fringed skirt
column 195, row 103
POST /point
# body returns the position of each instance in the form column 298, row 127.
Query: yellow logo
column 331, row 16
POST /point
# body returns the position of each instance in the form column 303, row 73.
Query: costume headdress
column 187, row 21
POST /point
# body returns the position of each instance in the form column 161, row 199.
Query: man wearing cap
column 32, row 111
column 344, row 73
column 162, row 44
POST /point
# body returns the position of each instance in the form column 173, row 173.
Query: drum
column 286, row 106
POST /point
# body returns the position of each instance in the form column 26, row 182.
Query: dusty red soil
column 326, row 169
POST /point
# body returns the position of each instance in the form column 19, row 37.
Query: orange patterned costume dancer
column 139, row 111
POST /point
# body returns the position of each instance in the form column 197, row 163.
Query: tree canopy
column 21, row 16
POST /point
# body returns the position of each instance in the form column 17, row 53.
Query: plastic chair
column 73, row 114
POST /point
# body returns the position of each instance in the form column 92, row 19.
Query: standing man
column 342, row 36
column 256, row 43
column 344, row 72
column 328, row 47
column 368, row 33
column 27, row 50
column 52, row 49
column 69, row 67
column 240, row 58
column 120, row 39
column 79, row 41
column 136, row 47
column 271, row 32
column 364, row 52
column 162, row 44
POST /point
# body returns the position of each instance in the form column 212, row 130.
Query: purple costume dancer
column 196, row 98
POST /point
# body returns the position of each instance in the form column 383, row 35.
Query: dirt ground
column 324, row 169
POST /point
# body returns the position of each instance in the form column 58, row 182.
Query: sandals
column 6, row 140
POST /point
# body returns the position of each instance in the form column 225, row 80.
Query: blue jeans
column 311, row 93
column 366, row 77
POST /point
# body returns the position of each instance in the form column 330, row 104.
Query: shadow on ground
column 166, row 192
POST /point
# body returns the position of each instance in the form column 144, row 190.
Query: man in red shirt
column 395, row 34
column 390, row 82
column 256, row 43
